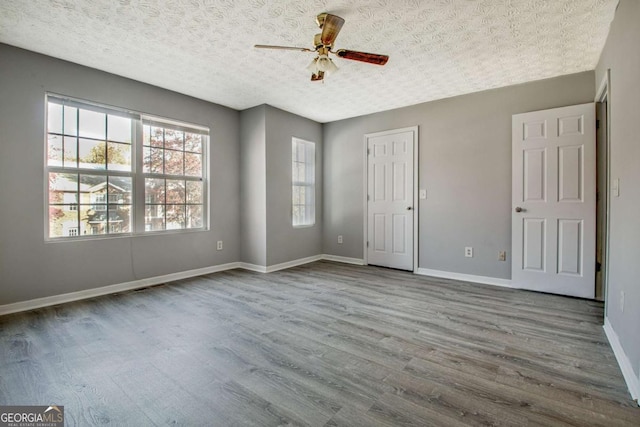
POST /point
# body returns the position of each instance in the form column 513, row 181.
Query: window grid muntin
column 149, row 147
column 80, row 207
column 303, row 158
column 77, row 169
column 167, row 207
column 77, row 137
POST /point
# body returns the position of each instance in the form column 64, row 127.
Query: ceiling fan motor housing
column 317, row 43
column 320, row 19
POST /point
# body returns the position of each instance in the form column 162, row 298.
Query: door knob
column 519, row 209
column 409, row 208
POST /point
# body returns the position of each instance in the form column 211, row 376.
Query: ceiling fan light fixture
column 322, row 63
column 313, row 66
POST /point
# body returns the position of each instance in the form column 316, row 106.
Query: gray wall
column 464, row 164
column 622, row 55
column 32, row 268
column 253, row 212
column 268, row 238
column 284, row 242
column 250, row 159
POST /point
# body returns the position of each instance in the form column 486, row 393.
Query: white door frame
column 604, row 94
column 416, row 210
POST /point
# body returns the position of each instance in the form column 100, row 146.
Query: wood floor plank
column 548, row 410
column 303, row 404
column 354, row 417
column 397, row 411
column 323, row 344
column 233, row 399
column 455, row 403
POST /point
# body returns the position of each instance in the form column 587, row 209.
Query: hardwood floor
column 324, row 344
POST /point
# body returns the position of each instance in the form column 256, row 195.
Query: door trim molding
column 604, row 94
column 416, row 207
column 603, row 89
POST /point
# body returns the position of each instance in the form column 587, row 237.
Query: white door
column 390, row 198
column 554, row 216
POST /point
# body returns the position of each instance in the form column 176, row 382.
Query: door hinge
column 367, row 244
column 368, row 151
column 368, row 197
column 598, row 266
column 597, row 124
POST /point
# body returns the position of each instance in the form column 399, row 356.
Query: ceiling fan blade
column 330, row 29
column 268, row 46
column 371, row 58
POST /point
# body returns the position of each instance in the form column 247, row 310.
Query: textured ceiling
column 204, row 48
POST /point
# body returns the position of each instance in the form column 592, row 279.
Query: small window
column 303, row 183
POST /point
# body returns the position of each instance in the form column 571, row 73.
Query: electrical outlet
column 622, row 301
column 468, row 252
column 502, row 256
column 423, row 194
column 219, row 247
column 340, row 239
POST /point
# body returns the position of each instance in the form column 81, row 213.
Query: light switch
column 615, row 187
column 423, row 193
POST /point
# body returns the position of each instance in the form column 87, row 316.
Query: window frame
column 136, row 174
column 309, row 182
column 148, row 120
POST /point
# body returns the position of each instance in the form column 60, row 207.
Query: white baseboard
column 343, row 259
column 301, row 261
column 252, row 267
column 294, row 263
column 281, row 266
column 111, row 289
column 151, row 281
column 137, row 284
column 505, row 283
column 633, row 382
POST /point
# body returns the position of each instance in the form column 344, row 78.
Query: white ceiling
column 204, row 48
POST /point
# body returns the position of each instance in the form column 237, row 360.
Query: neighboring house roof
column 103, row 185
column 62, row 184
column 65, row 185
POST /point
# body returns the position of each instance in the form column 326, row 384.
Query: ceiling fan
column 323, row 45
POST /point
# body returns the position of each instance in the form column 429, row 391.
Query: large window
column 303, row 157
column 96, row 159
